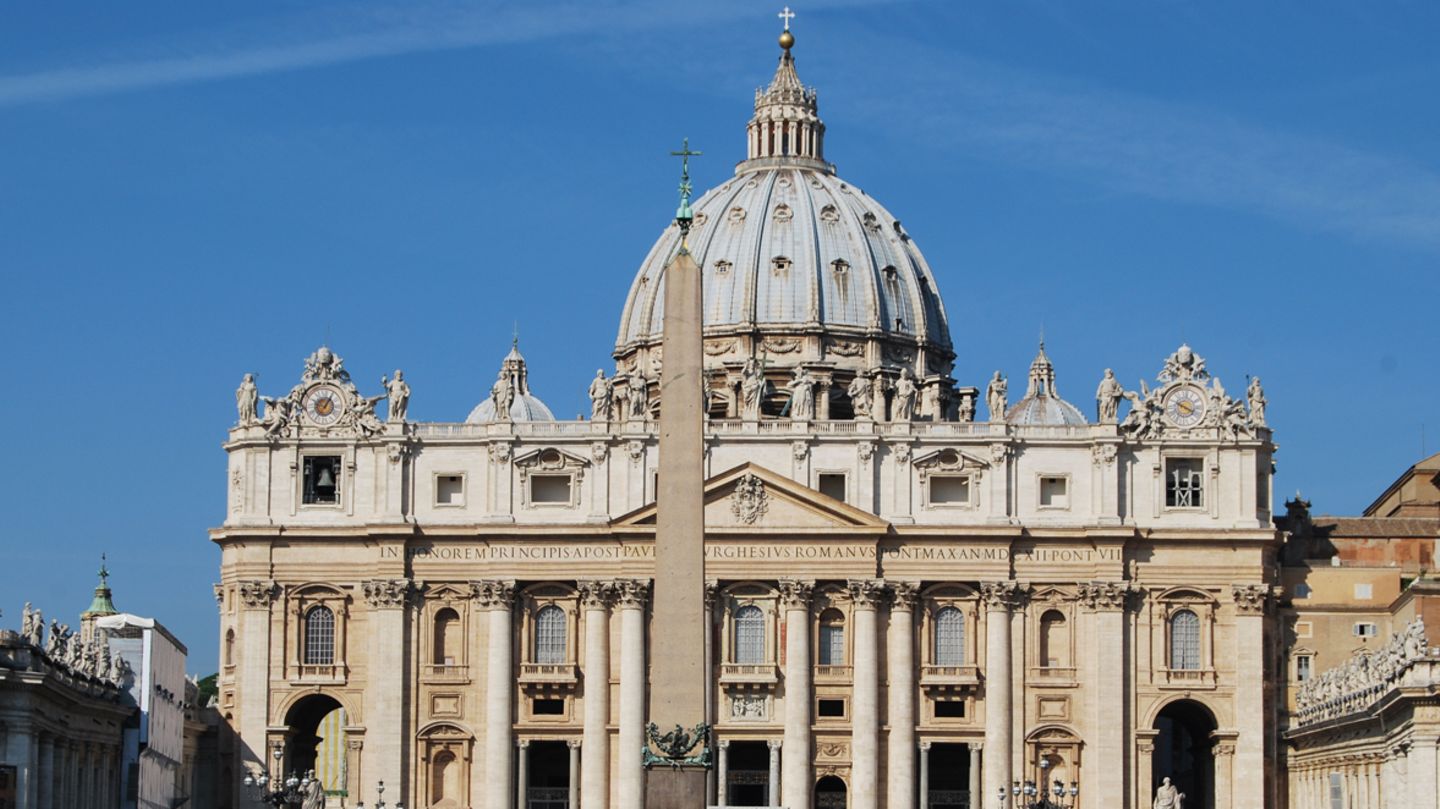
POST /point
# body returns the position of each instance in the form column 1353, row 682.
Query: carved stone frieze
column 257, row 594
column 396, row 451
column 999, row 452
column 1104, row 454
column 800, row 450
column 865, row 449
column 747, row 707
column 902, row 453
column 599, row 451
column 493, row 593
column 500, row 451
column 1365, row 678
column 636, row 450
column 749, row 501
column 387, row 593
column 796, row 594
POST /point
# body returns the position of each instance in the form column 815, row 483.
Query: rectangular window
column 449, row 490
column 830, row 709
column 832, row 484
column 832, row 645
column 1364, row 592
column 950, row 709
column 949, row 490
column 548, row 707
column 1364, row 629
column 550, row 489
column 1337, row 791
column 1184, row 483
column 1303, row 669
column 1304, row 629
column 1302, row 591
column 321, row 477
column 1054, row 492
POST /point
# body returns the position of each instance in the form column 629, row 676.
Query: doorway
column 949, row 776
column 548, row 766
column 1183, row 752
column 748, row 776
column 830, row 793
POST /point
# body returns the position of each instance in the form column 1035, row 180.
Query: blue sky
column 194, row 191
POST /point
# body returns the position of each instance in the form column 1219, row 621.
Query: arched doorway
column 830, row 793
column 316, row 740
column 1183, row 752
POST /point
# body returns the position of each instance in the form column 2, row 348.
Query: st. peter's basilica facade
column 921, row 594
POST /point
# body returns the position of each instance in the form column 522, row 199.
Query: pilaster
column 387, row 688
column 796, row 777
column 900, row 682
column 497, row 599
column 595, row 599
column 865, row 596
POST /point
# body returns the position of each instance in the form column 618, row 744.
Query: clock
column 322, row 405
column 1185, row 407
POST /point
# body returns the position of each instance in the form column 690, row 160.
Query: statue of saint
column 503, row 394
column 903, row 408
column 1255, row 395
column 802, row 396
column 36, row 635
column 639, row 396
column 1108, row 397
column 245, row 399
column 859, row 391
column 601, row 396
column 752, row 389
column 27, row 621
column 399, row 392
column 1167, row 796
column 277, row 414
column 995, row 394
column 314, row 794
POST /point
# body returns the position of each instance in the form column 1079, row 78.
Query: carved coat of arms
column 749, row 500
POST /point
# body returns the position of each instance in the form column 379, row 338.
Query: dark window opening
column 322, row 479
column 548, row 707
column 950, row 709
column 832, row 484
column 831, row 708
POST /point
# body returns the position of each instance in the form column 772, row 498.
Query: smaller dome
column 513, row 382
column 1042, row 405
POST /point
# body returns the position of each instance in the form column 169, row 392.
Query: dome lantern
column 786, row 128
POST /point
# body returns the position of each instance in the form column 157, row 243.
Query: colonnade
column 58, row 771
column 1403, row 774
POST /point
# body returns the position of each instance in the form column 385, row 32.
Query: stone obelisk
column 677, row 684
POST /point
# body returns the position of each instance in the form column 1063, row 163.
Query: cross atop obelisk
column 678, row 736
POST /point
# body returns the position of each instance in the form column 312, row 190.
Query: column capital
column 389, row 593
column 795, row 594
column 1251, row 599
column 775, row 744
column 866, row 593
column 977, row 746
column 925, row 745
column 258, row 594
column 493, row 594
column 903, row 595
column 632, row 593
column 1105, row 595
column 574, row 744
column 1003, row 595
column 522, row 743
column 596, row 595
column 723, row 744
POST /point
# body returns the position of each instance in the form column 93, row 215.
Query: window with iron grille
column 550, row 628
column 319, row 637
column 1185, row 641
column 749, row 635
column 832, row 639
column 1184, row 485
column 949, row 637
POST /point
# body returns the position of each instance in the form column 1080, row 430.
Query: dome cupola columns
column 786, row 129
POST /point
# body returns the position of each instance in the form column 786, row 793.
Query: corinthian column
column 795, row 766
column 630, row 596
column 865, row 595
column 900, row 678
column 498, row 598
column 1106, row 601
column 1248, row 773
column 999, row 598
column 595, row 599
column 386, row 692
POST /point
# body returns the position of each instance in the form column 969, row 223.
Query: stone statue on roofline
column 503, row 394
column 1255, row 395
column 995, row 394
column 903, row 407
column 639, row 398
column 246, row 397
column 752, row 389
column 802, row 395
column 859, row 391
column 398, row 390
column 601, row 397
column 1108, row 396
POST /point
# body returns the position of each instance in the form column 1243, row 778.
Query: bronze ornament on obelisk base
column 677, row 752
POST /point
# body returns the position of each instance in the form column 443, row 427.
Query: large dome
column 800, row 270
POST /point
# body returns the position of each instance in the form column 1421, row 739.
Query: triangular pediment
column 750, row 497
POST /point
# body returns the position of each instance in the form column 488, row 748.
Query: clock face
column 322, row 405
column 1185, row 407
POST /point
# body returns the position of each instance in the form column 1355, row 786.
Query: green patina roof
column 102, row 605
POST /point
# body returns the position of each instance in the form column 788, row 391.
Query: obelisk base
column 674, row 788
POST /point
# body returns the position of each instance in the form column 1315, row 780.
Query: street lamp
column 1000, row 797
column 1035, row 793
column 276, row 792
column 380, row 798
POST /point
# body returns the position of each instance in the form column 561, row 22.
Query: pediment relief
column 753, row 497
column 949, row 461
column 551, row 460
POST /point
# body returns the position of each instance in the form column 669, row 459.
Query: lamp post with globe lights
column 1031, row 795
column 380, row 799
column 276, row 792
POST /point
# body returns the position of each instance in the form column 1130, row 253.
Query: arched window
column 1185, row 641
column 749, row 635
column 832, row 638
column 550, row 626
column 319, row 637
column 1054, row 640
column 447, row 638
column 443, row 772
column 229, row 647
column 949, row 637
